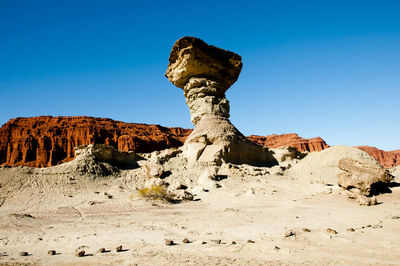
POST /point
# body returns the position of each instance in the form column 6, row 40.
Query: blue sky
column 316, row 68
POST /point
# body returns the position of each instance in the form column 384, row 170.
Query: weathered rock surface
column 386, row 158
column 361, row 175
column 396, row 173
column 98, row 160
column 205, row 73
column 290, row 140
column 46, row 141
column 104, row 153
column 323, row 167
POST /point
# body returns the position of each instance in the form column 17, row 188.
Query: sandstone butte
column 46, row 141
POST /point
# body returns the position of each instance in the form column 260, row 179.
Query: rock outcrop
column 362, row 175
column 98, row 160
column 290, row 140
column 205, row 73
column 47, row 141
column 386, row 158
column 107, row 154
column 322, row 167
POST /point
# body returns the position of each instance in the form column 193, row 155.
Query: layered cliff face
column 292, row 140
column 47, row 141
column 386, row 158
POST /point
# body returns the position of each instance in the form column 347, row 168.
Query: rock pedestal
column 205, row 73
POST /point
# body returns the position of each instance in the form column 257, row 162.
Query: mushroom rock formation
column 205, row 73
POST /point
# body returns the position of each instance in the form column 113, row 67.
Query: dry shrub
column 156, row 193
column 293, row 154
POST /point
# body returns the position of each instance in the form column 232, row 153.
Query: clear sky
column 316, row 68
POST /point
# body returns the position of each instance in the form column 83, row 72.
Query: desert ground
column 280, row 215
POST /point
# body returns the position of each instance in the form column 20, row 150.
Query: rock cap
column 192, row 57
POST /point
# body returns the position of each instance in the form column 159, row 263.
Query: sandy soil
column 251, row 216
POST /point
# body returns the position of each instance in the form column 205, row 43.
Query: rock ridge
column 47, row 141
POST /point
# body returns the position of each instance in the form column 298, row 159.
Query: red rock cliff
column 292, row 140
column 46, row 140
column 386, row 158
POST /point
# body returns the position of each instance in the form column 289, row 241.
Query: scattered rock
column 80, row 253
column 306, row 230
column 204, row 242
column 169, row 242
column 290, row 233
column 331, row 231
column 52, row 252
column 250, row 241
column 23, row 253
column 395, row 217
column 118, row 249
column 180, row 186
column 217, row 241
column 366, row 201
column 186, row 241
column 376, row 226
column 180, row 195
column 93, row 202
column 21, row 216
column 233, row 242
column 351, row 229
column 153, row 169
column 102, row 250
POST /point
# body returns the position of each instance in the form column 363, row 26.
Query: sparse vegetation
column 293, row 154
column 157, row 193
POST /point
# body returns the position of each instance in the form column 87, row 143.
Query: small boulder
column 366, row 201
column 169, row 242
column 80, row 253
column 362, row 175
column 290, row 233
column 52, row 252
column 331, row 231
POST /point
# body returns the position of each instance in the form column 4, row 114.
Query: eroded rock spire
column 205, row 73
